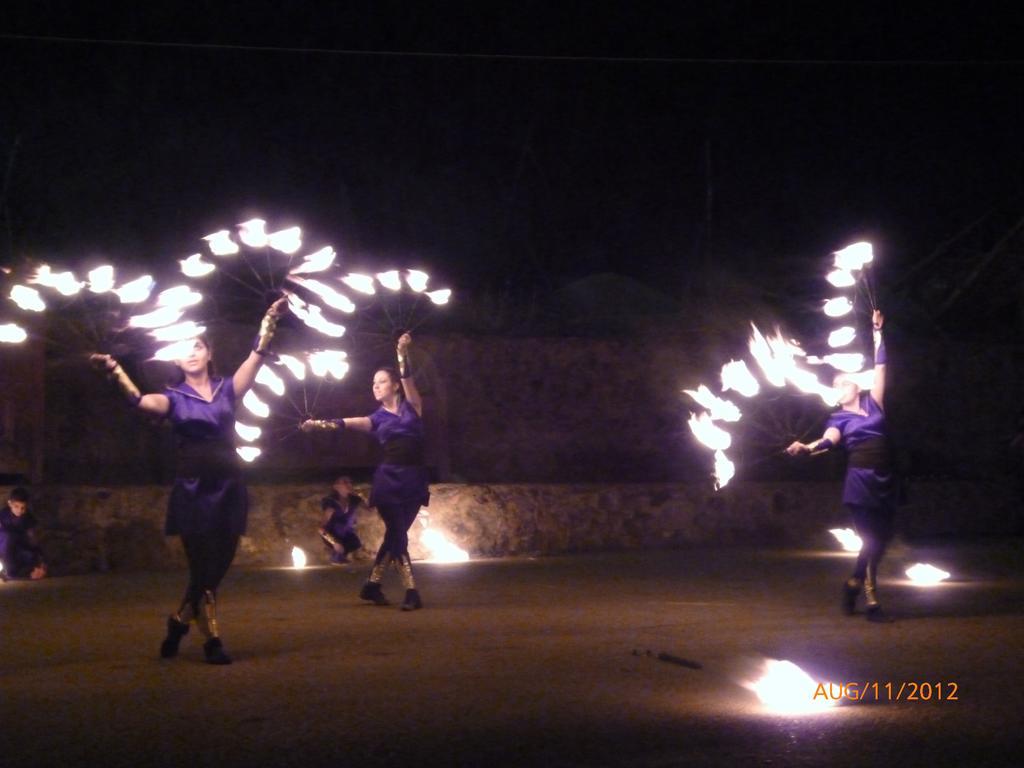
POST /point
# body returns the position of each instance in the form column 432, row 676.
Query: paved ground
column 520, row 662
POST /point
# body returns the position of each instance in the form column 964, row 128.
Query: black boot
column 175, row 631
column 214, row 650
column 412, row 600
column 877, row 615
column 412, row 596
column 371, row 591
column 851, row 588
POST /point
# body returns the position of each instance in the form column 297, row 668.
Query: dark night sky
column 502, row 168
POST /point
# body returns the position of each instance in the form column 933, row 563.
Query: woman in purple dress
column 870, row 490
column 208, row 504
column 400, row 481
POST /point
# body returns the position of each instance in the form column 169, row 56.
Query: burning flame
column 840, row 337
column 298, row 558
column 838, row 306
column 736, row 375
column 248, row 452
column 157, row 318
column 786, row 689
column 270, row 380
column 135, row 291
column 725, row 470
column 706, row 432
column 286, row 241
column 194, row 266
column 317, row 261
column 719, row 409
column 62, row 282
column 328, row 362
column 841, row 278
column 361, row 283
column 417, row 280
column 765, row 358
column 848, row 362
column 101, row 279
column 221, row 243
column 441, row 296
column 295, row 366
column 12, row 334
column 441, row 549
column 247, row 432
column 865, row 380
column 186, row 331
column 854, row 256
column 178, row 296
column 849, row 540
column 27, row 298
column 253, row 233
column 924, row 575
column 390, row 280
column 330, row 296
column 313, row 316
column 777, row 358
column 255, row 406
column 179, row 350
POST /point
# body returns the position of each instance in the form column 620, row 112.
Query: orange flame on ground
column 441, row 549
column 925, row 575
column 784, row 688
column 846, row 537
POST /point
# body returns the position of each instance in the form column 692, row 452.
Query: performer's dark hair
column 19, row 494
column 393, row 375
column 211, row 370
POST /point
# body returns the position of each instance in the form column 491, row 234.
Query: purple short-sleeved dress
column 401, row 477
column 209, row 491
column 866, row 487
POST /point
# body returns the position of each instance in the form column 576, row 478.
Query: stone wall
column 555, row 410
column 87, row 528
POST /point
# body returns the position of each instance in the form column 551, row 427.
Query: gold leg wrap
column 185, row 613
column 207, row 618
column 405, row 571
column 377, row 574
column 870, row 598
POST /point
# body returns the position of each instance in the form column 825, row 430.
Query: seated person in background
column 338, row 529
column 20, row 556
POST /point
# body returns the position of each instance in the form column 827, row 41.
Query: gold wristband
column 266, row 334
column 327, row 424
column 124, row 383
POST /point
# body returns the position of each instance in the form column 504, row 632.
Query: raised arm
column 878, row 386
column 246, row 373
column 156, row 404
column 407, row 371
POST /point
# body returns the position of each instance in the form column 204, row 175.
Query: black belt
column 403, row 451
column 202, row 459
column 873, row 453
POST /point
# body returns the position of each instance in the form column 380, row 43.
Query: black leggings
column 209, row 557
column 874, row 525
column 398, row 519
